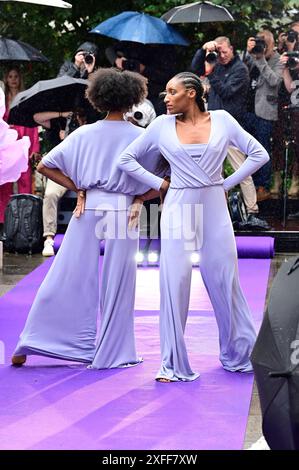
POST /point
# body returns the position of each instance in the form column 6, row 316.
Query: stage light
column 195, row 258
column 153, row 257
column 139, row 257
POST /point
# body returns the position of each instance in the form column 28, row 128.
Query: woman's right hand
column 80, row 207
column 164, row 188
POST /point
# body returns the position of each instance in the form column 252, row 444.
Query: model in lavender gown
column 62, row 322
column 195, row 217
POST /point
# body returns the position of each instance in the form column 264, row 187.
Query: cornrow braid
column 190, row 80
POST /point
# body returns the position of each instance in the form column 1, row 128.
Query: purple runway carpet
column 52, row 404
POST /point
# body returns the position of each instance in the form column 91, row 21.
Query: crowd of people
column 255, row 87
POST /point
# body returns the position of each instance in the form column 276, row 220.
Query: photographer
column 228, row 76
column 83, row 62
column 228, row 87
column 265, row 77
column 156, row 62
column 288, row 44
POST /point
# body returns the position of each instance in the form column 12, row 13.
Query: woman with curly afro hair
column 62, row 322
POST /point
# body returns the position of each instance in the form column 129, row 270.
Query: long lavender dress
column 62, row 321
column 195, row 217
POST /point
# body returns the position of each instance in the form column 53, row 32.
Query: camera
column 131, row 64
column 88, row 58
column 260, row 46
column 293, row 59
column 292, row 36
column 212, row 57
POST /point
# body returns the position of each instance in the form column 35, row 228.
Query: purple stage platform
column 52, row 404
column 247, row 247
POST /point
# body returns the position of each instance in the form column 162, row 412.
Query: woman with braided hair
column 195, row 217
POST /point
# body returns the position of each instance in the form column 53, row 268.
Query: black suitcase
column 23, row 224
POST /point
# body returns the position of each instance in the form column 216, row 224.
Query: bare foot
column 163, row 380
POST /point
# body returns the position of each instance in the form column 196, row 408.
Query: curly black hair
column 114, row 90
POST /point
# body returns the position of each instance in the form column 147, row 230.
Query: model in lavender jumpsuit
column 197, row 183
column 62, row 321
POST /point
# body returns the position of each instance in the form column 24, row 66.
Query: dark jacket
column 229, row 84
column 70, row 69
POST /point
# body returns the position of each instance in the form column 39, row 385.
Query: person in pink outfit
column 13, row 152
column 13, row 83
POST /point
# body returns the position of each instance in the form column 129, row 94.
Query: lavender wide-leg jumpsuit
column 197, row 182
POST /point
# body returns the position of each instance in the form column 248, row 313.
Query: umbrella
column 275, row 360
column 12, row 50
column 198, row 12
column 59, row 94
column 50, row 3
column 139, row 27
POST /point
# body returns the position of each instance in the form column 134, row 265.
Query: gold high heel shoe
column 18, row 360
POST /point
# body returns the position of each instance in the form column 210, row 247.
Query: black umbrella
column 198, row 12
column 59, row 94
column 275, row 360
column 12, row 50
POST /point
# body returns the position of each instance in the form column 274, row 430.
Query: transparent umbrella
column 197, row 12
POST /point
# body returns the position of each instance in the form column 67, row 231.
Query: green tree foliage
column 57, row 32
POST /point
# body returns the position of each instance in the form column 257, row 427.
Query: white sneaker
column 48, row 247
column 260, row 444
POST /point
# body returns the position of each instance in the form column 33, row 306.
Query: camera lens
column 211, row 58
column 259, row 47
column 138, row 115
column 292, row 36
column 88, row 58
column 292, row 63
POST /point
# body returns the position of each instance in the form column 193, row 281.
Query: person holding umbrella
column 62, row 322
column 195, row 217
column 13, row 83
column 82, row 65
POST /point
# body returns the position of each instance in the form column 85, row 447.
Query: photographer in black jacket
column 228, row 76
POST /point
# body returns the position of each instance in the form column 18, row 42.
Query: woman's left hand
column 80, row 207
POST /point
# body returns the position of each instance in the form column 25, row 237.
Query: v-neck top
column 187, row 172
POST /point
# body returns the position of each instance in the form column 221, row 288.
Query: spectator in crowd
column 13, row 84
column 262, row 109
column 53, row 192
column 287, row 42
column 155, row 62
column 228, row 82
column 83, row 64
